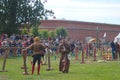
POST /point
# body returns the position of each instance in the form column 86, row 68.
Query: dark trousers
column 36, row 58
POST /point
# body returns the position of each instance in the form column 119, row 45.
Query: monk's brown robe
column 64, row 64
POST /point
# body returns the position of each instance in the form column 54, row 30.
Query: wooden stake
column 5, row 57
column 82, row 56
column 24, row 63
column 49, row 64
column 94, row 54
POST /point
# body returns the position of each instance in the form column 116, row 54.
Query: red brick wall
column 80, row 30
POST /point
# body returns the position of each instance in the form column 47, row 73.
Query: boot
column 33, row 67
column 38, row 70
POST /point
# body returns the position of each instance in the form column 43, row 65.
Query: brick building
column 81, row 30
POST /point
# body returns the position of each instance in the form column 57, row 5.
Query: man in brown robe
column 117, row 50
column 64, row 49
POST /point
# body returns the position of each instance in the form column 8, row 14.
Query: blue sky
column 100, row 11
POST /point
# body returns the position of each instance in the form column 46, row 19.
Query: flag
column 104, row 35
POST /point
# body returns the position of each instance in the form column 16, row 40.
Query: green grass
column 109, row 70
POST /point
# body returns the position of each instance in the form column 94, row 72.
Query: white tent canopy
column 117, row 38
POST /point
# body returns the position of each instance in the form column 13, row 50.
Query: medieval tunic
column 37, row 51
column 64, row 49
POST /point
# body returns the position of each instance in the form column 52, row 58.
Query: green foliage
column 52, row 34
column 25, row 31
column 13, row 13
column 61, row 32
column 34, row 31
column 44, row 34
column 8, row 16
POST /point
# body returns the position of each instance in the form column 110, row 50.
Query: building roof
column 65, row 22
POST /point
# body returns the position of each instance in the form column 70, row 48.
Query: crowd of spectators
column 16, row 42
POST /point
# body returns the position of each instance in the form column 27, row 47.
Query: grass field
column 92, row 70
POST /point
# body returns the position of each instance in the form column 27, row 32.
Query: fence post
column 5, row 57
column 94, row 54
column 76, row 53
column 24, row 63
column 82, row 56
column 49, row 64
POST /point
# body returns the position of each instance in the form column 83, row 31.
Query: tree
column 8, row 10
column 61, row 32
column 13, row 13
column 52, row 34
column 44, row 34
column 24, row 31
column 34, row 31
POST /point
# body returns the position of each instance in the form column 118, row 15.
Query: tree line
column 44, row 33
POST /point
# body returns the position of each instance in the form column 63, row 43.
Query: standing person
column 64, row 49
column 37, row 48
column 113, row 46
column 117, row 50
column 72, row 46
